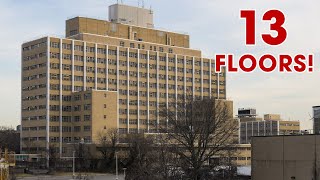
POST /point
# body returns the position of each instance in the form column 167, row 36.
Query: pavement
column 69, row 177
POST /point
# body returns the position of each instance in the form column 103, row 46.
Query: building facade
column 316, row 119
column 266, row 128
column 286, row 157
column 248, row 115
column 106, row 75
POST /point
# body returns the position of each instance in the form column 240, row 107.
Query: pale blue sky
column 214, row 27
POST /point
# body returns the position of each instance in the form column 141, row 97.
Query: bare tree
column 107, row 146
column 142, row 161
column 84, row 156
column 53, row 152
column 198, row 130
column 10, row 139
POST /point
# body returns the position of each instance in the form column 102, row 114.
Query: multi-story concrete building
column 267, row 127
column 106, row 75
column 316, row 119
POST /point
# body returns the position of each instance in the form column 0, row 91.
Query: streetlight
column 116, row 166
column 124, row 173
column 73, row 164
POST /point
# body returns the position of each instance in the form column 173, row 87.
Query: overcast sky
column 214, row 27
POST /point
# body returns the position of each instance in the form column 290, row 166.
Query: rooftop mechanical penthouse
column 107, row 75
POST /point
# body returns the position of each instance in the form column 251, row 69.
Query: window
column 77, row 108
column 73, row 32
column 87, row 96
column 121, row 43
column 101, row 51
column 131, row 45
column 66, row 46
column 77, row 129
column 76, row 118
column 105, row 106
column 161, row 49
column 87, row 118
column 90, row 49
column 54, row 44
column 78, row 48
column 87, row 107
column 66, row 108
column 66, row 129
column 66, row 118
column 86, row 128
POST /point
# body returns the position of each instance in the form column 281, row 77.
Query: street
column 91, row 177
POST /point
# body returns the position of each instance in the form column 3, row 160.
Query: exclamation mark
column 310, row 63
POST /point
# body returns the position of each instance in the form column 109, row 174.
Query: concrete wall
column 286, row 157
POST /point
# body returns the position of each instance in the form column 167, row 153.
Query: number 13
column 249, row 15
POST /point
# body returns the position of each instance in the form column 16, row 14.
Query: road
column 92, row 177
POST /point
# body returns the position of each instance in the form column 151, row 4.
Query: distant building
column 18, row 128
column 273, row 117
column 252, row 125
column 266, row 128
column 248, row 114
column 286, row 157
column 316, row 119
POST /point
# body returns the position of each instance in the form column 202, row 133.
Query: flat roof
column 293, row 135
column 156, row 28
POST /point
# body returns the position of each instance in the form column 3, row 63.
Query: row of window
column 34, row 56
column 33, row 77
column 34, row 108
column 135, row 131
column 68, row 77
column 34, row 118
column 86, row 139
column 70, row 118
column 70, row 98
column 38, row 128
column 36, row 66
column 36, row 97
column 86, row 107
column 132, row 73
column 102, row 50
column 69, row 128
column 34, row 46
column 34, row 87
column 124, row 63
